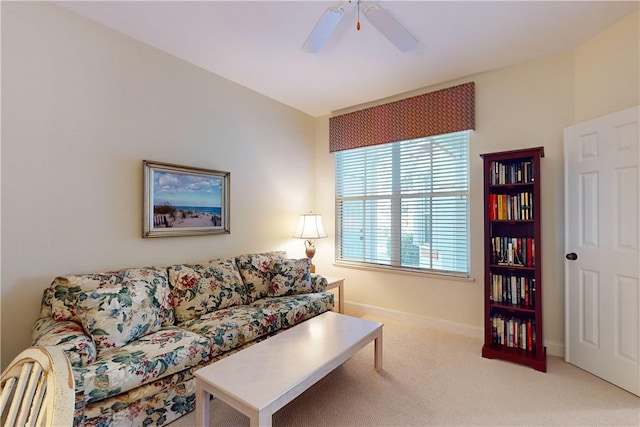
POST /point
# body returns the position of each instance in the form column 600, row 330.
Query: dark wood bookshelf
column 513, row 258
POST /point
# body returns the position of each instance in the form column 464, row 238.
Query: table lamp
column 310, row 227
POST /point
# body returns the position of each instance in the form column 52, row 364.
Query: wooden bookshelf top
column 515, row 153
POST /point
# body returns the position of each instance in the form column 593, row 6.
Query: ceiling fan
column 379, row 18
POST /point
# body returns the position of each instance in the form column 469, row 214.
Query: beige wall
column 606, row 71
column 517, row 107
column 82, row 106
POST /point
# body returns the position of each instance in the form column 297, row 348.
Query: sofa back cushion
column 290, row 277
column 64, row 290
column 115, row 316
column 256, row 272
column 198, row 289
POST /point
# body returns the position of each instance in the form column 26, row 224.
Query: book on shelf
column 513, row 289
column 513, row 332
column 515, row 172
column 493, row 207
column 516, row 207
column 513, row 251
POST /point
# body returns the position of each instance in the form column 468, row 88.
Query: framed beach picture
column 184, row 201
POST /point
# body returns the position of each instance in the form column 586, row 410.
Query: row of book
column 512, row 289
column 517, row 172
column 516, row 207
column 517, row 251
column 514, row 332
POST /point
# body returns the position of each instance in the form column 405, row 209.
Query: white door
column 602, row 293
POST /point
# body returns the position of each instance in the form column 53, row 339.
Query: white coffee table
column 264, row 377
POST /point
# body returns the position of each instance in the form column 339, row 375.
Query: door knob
column 571, row 256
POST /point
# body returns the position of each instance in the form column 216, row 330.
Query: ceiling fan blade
column 323, row 29
column 390, row 28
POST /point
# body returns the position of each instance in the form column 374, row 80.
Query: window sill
column 403, row 271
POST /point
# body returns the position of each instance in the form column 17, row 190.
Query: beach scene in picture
column 183, row 200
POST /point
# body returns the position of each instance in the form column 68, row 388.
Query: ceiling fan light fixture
column 390, row 28
column 323, row 29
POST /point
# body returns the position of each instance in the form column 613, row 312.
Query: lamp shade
column 310, row 227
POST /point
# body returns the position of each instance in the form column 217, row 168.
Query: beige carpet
column 433, row 378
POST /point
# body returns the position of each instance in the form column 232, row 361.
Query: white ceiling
column 257, row 43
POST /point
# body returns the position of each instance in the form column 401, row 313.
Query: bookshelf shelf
column 494, row 351
column 512, row 308
column 512, row 221
column 514, row 268
column 513, row 254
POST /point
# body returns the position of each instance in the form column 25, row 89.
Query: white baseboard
column 357, row 309
column 554, row 348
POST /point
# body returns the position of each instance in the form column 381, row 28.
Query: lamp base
column 310, row 251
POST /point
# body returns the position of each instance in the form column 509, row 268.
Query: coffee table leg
column 202, row 406
column 260, row 419
column 377, row 343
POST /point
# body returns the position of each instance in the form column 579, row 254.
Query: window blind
column 404, row 204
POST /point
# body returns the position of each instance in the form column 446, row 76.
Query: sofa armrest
column 77, row 345
column 318, row 283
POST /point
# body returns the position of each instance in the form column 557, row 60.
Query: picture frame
column 184, row 200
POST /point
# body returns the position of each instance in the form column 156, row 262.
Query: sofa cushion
column 294, row 309
column 256, row 272
column 290, row 276
column 114, row 317
column 77, row 345
column 65, row 290
column 198, row 289
column 147, row 359
column 233, row 327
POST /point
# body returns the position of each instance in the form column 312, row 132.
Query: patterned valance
column 435, row 113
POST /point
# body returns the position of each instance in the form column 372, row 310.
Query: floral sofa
column 134, row 337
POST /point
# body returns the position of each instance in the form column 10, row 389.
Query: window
column 405, row 204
